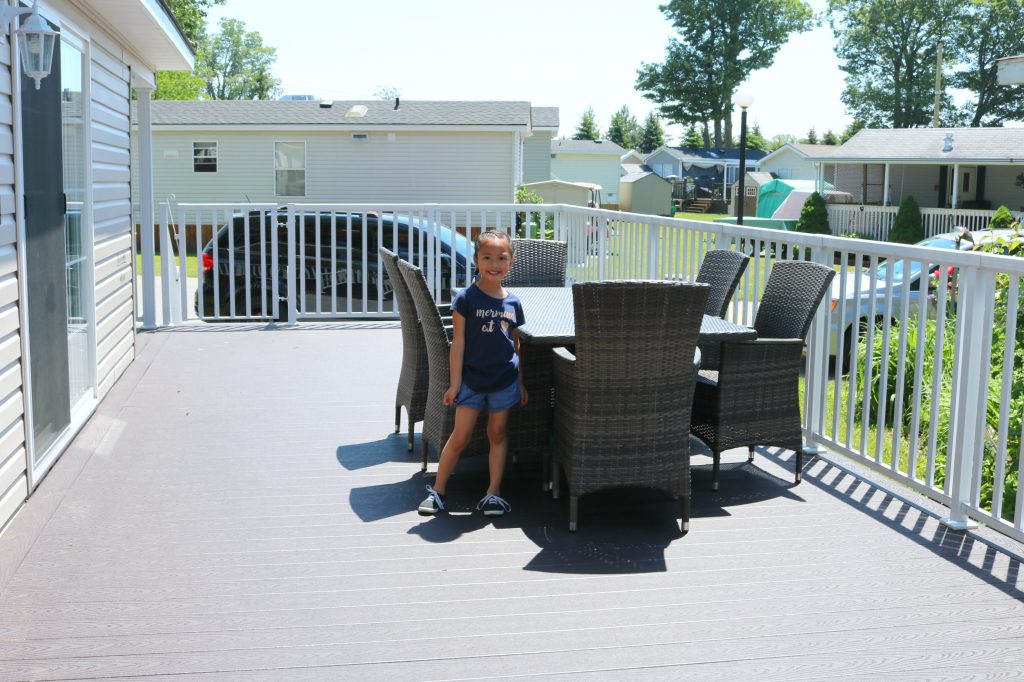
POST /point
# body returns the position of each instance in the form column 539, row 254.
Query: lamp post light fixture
column 744, row 100
column 36, row 40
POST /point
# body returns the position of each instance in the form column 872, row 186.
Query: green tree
column 888, row 50
column 587, row 128
column 779, row 140
column 979, row 45
column 1002, row 219
column 755, row 140
column 236, row 64
column 829, row 137
column 814, row 216
column 654, row 134
column 855, row 127
column 387, row 92
column 720, row 43
column 906, row 229
column 624, row 129
column 692, row 138
column 191, row 16
column 812, row 136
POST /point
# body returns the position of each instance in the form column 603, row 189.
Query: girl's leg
column 497, row 424
column 465, row 420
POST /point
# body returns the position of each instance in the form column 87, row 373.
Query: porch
column 239, row 507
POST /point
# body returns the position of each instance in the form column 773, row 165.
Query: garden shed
column 645, row 192
column 563, row 191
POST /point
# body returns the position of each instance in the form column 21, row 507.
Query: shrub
column 528, row 196
column 906, row 229
column 814, row 216
column 1002, row 219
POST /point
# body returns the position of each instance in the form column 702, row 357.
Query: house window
column 290, row 169
column 966, row 187
column 204, row 157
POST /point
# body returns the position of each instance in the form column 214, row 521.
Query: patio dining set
column 621, row 373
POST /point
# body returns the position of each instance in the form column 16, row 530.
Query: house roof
column 808, row 151
column 147, row 28
column 544, row 117
column 300, row 113
column 586, row 147
column 628, row 168
column 929, row 145
column 633, row 177
column 721, row 154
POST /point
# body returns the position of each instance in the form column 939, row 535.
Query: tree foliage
column 720, row 43
column 236, row 64
column 814, row 216
column 755, row 139
column 979, row 45
column 829, row 138
column 888, row 49
column 856, row 125
column 1002, row 219
column 587, row 128
column 653, row 135
column 191, row 16
column 624, row 130
column 387, row 92
column 178, row 85
column 779, row 140
column 907, row 229
column 812, row 136
column 692, row 138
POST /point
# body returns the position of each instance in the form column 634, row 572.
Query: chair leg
column 556, row 479
column 750, row 454
column 799, row 464
column 398, row 419
column 545, row 469
column 425, row 447
column 574, row 513
column 686, row 515
column 409, row 447
column 715, row 468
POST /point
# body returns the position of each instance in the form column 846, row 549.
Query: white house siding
column 597, row 168
column 1001, row 187
column 663, row 163
column 111, row 217
column 790, row 165
column 537, row 157
column 920, row 182
column 13, row 474
column 400, row 167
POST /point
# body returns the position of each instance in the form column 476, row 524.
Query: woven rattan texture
column 538, row 263
column 721, row 269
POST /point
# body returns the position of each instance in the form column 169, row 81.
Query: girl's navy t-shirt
column 490, row 362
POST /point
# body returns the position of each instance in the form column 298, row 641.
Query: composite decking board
column 233, row 515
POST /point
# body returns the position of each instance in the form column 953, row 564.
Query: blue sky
column 566, row 53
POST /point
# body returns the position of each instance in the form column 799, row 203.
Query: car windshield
column 895, row 273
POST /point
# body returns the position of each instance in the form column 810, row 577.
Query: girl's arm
column 523, row 397
column 455, row 355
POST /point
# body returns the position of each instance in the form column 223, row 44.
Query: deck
column 240, row 508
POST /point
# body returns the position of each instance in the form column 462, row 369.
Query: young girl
column 484, row 370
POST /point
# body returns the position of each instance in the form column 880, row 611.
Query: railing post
column 602, row 226
column 291, row 260
column 967, row 423
column 145, row 138
column 168, row 272
column 817, row 363
column 653, row 242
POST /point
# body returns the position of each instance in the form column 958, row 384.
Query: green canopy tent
column 776, row 195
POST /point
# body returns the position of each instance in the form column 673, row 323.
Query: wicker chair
column 722, row 269
column 438, row 420
column 753, row 398
column 539, row 263
column 622, row 403
column 413, row 380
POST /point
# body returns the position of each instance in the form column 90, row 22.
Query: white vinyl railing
column 874, row 222
column 911, row 360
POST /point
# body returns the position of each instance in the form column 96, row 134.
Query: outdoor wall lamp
column 36, row 40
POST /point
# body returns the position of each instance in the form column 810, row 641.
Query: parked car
column 335, row 249
column 890, row 274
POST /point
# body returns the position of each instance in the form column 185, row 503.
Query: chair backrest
column 638, row 338
column 722, row 270
column 539, row 263
column 791, row 297
column 406, row 306
column 434, row 334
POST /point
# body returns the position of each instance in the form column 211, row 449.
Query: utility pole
column 938, row 87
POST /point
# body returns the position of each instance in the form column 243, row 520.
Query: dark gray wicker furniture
column 438, row 420
column 622, row 402
column 721, row 269
column 414, row 377
column 539, row 263
column 753, row 398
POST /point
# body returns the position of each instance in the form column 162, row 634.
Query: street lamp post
column 744, row 100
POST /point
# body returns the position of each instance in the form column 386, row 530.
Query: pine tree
column 830, row 138
column 587, row 128
column 814, row 216
column 693, row 138
column 906, row 229
column 624, row 129
column 755, row 140
column 653, row 136
column 812, row 136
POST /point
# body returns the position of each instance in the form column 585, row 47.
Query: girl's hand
column 523, row 397
column 450, row 395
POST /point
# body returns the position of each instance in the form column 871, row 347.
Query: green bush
column 528, row 196
column 906, row 229
column 1002, row 219
column 814, row 216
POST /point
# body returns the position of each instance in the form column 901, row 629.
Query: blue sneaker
column 433, row 504
column 492, row 505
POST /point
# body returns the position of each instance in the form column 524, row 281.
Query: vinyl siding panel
column 436, row 167
column 597, row 168
column 920, row 182
column 13, row 473
column 111, row 214
column 789, row 165
column 1000, row 187
column 537, row 157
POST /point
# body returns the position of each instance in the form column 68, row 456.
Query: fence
column 874, row 222
column 911, row 360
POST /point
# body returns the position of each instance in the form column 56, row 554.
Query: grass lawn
column 706, row 217
column 191, row 267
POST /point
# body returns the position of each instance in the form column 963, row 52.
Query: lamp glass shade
column 744, row 100
column 36, row 42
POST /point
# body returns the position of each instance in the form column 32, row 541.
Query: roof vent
column 360, row 136
column 356, row 111
column 326, row 103
column 396, row 104
column 947, row 144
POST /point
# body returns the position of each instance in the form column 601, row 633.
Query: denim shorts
column 495, row 401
